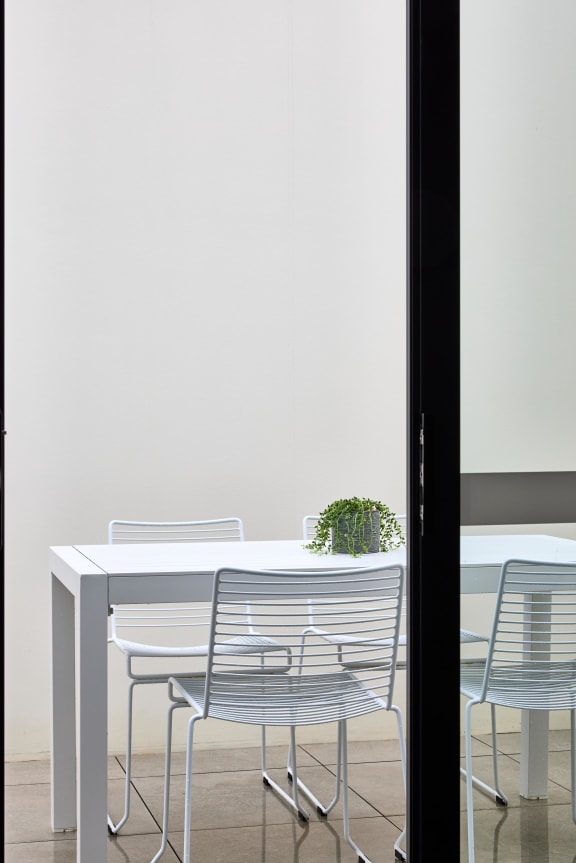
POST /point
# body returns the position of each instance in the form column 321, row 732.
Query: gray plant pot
column 358, row 534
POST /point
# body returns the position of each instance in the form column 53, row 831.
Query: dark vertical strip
column 433, row 351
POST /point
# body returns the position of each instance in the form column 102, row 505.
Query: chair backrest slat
column 208, row 530
column 534, row 632
column 172, row 625
column 360, row 606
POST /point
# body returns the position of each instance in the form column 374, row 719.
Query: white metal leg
column 92, row 719
column 114, row 828
column 63, row 709
column 534, row 735
column 534, row 760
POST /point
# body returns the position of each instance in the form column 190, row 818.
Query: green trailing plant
column 349, row 526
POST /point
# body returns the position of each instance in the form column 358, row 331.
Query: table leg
column 92, row 718
column 63, row 710
column 534, row 757
column 534, row 735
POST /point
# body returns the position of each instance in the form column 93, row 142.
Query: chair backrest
column 211, row 530
column 533, row 640
column 309, row 523
column 173, row 626
column 361, row 606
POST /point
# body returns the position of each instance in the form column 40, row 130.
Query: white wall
column 205, row 283
column 518, row 251
column 518, row 208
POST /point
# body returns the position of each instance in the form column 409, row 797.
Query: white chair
column 309, row 523
column 361, row 605
column 155, row 632
column 531, row 661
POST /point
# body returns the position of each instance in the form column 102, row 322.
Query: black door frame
column 433, row 714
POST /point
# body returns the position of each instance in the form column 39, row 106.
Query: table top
column 495, row 549
column 197, row 557
column 157, row 558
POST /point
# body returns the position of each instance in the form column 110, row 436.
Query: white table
column 87, row 579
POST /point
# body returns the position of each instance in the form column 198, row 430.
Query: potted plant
column 356, row 526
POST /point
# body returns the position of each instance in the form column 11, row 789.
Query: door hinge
column 421, row 469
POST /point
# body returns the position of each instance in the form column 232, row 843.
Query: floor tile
column 381, row 785
column 27, row 814
column 129, row 849
column 26, row 772
column 240, row 799
column 358, row 751
column 295, row 842
column 41, row 852
column 140, row 819
column 216, row 760
column 509, row 743
column 559, row 768
column 509, row 776
column 237, row 818
column 480, row 746
column 137, row 849
column 530, row 834
column 38, row 772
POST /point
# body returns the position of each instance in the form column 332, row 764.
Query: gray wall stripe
column 518, row 498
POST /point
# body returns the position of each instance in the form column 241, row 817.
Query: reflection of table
column 86, row 579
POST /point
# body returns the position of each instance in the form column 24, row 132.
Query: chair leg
column 188, row 788
column 321, row 808
column 292, row 801
column 399, row 851
column 114, row 828
column 343, row 755
column 573, row 761
column 500, row 797
column 167, row 768
column 494, row 792
column 265, row 778
column 469, row 793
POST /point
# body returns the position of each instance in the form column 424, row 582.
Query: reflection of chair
column 362, row 605
column 176, row 633
column 531, row 661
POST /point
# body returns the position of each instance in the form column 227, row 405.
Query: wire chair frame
column 530, row 663
column 207, row 530
column 309, row 523
column 362, row 604
column 165, row 632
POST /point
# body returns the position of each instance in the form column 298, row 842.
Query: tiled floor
column 237, row 819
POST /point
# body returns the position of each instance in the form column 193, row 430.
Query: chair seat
column 350, row 640
column 467, row 636
column 280, row 699
column 523, row 685
column 242, row 644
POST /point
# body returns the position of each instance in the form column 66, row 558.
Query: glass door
column 518, row 352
